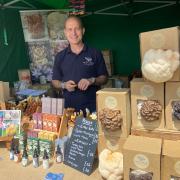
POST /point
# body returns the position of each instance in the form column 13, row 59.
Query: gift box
column 167, row 38
column 142, row 154
column 147, row 103
column 170, row 163
column 114, row 113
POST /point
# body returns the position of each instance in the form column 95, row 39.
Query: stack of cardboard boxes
column 162, row 164
column 151, row 150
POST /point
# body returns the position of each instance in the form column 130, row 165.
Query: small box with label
column 35, row 120
column 172, row 110
column 147, row 102
column 53, row 106
column 40, row 120
column 60, row 106
column 55, row 123
column 45, row 121
column 142, row 158
column 165, row 39
column 114, row 113
column 170, row 163
column 46, row 105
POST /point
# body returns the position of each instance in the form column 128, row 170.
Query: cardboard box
column 24, row 75
column 2, row 105
column 45, row 121
column 4, row 91
column 125, row 80
column 60, row 106
column 35, row 120
column 40, row 120
column 49, row 125
column 142, row 153
column 46, row 105
column 170, row 163
column 109, row 84
column 161, row 133
column 172, row 95
column 53, row 106
column 55, row 123
column 167, row 38
column 112, row 143
column 115, row 99
column 143, row 90
column 108, row 58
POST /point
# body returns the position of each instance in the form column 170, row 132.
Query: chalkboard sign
column 80, row 150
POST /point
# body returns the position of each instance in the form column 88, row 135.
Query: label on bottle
column 24, row 161
column 11, row 155
column 16, row 158
column 59, row 159
column 45, row 163
column 35, row 162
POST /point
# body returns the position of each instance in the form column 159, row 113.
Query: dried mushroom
column 110, row 119
column 176, row 109
column 33, row 105
column 151, row 110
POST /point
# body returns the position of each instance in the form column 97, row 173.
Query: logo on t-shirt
column 88, row 61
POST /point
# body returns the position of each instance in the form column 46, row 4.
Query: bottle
column 35, row 159
column 59, row 155
column 24, row 158
column 17, row 155
column 11, row 153
column 45, row 160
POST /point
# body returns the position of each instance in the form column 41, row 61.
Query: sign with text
column 81, row 148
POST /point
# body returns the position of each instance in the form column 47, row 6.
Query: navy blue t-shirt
column 70, row 66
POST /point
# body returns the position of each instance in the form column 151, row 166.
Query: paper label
column 111, row 102
column 157, row 41
column 45, row 123
column 178, row 92
column 177, row 167
column 147, row 91
column 49, row 124
column 141, row 161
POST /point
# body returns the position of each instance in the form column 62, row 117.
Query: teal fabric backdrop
column 14, row 55
column 120, row 34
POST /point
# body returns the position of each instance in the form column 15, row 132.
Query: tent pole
column 111, row 7
column 29, row 4
column 112, row 14
column 151, row 9
column 10, row 3
column 148, row 1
